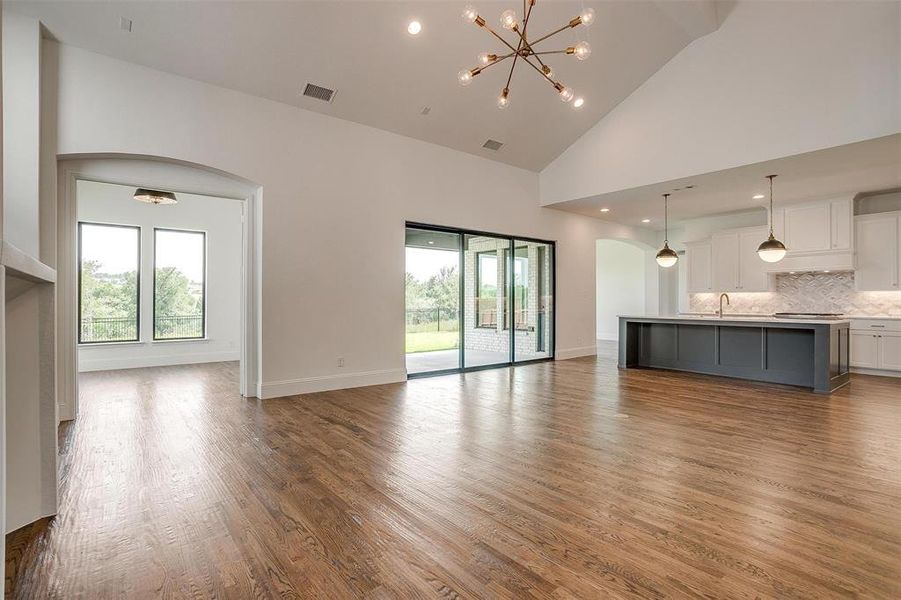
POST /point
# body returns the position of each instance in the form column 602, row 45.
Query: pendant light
column 667, row 257
column 155, row 196
column 772, row 250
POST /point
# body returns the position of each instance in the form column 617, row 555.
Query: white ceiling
column 863, row 167
column 383, row 75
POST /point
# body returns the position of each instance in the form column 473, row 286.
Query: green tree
column 173, row 297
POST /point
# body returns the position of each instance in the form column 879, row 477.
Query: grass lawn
column 428, row 341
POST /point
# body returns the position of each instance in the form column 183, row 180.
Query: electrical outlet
column 340, row 361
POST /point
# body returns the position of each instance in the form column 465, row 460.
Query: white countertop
column 727, row 317
column 874, row 317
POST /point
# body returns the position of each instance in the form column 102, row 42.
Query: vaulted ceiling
column 383, row 76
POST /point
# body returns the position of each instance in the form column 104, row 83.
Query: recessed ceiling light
column 791, row 272
column 645, row 220
column 414, row 27
column 578, row 103
column 825, row 271
column 758, row 196
column 431, row 243
column 605, row 210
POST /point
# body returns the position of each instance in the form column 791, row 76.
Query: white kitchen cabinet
column 841, row 221
column 736, row 267
column 752, row 276
column 864, row 350
column 724, row 253
column 807, row 227
column 878, row 251
column 890, row 351
column 876, row 344
column 698, row 259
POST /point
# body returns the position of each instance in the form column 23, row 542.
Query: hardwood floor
column 554, row 480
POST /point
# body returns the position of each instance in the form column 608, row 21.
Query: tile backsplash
column 807, row 292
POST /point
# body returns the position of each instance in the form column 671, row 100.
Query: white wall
column 220, row 218
column 336, row 196
column 621, row 284
column 776, row 79
column 21, row 130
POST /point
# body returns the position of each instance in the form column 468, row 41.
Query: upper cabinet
column 878, row 252
column 818, row 235
column 698, row 258
column 735, row 264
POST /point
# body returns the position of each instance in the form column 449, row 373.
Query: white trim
column 576, row 352
column 323, row 383
column 163, row 360
column 608, row 337
column 877, row 372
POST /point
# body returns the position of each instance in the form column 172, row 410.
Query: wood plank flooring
column 555, row 480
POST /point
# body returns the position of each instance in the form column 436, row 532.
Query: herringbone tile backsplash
column 807, row 292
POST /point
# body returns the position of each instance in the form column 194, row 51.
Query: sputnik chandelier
column 523, row 49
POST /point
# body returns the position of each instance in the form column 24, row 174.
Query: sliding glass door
column 533, row 300
column 432, row 290
column 486, row 334
column 476, row 300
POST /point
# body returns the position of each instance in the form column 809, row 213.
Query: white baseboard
column 324, row 383
column 563, row 354
column 608, row 337
column 878, row 372
column 135, row 362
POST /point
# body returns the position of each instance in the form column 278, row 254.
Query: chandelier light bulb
column 548, row 72
column 508, row 19
column 566, row 94
column 414, row 27
column 485, row 58
column 503, row 101
column 470, row 14
column 578, row 103
column 464, row 77
column 582, row 50
column 587, row 17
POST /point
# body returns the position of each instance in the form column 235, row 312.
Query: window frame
column 138, row 277
column 203, row 320
column 478, row 287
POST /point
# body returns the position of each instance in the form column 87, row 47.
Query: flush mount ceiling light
column 758, row 196
column 645, row 220
column 772, row 250
column 667, row 257
column 523, row 49
column 155, row 196
column 605, row 210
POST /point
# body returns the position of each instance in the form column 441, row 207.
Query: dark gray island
column 808, row 353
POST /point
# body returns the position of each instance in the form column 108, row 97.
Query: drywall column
column 21, row 131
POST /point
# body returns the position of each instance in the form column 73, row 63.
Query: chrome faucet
column 720, row 312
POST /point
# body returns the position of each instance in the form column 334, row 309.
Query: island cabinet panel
column 739, row 347
column 814, row 354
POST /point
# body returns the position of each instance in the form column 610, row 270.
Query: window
column 109, row 259
column 486, row 289
column 179, row 284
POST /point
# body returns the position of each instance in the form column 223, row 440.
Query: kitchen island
column 812, row 353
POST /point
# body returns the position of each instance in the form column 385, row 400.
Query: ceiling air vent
column 318, row 92
column 493, row 145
